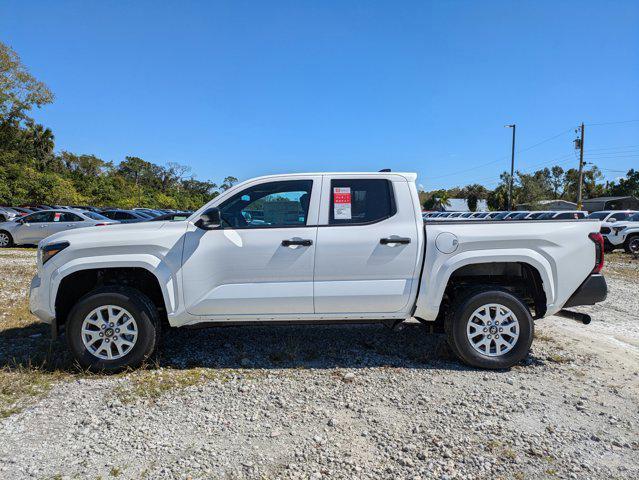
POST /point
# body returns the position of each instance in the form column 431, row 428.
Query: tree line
column 31, row 172
column 553, row 183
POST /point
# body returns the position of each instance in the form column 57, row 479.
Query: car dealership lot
column 324, row 401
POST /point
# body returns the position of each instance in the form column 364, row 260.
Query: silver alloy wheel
column 109, row 332
column 633, row 245
column 493, row 330
column 4, row 240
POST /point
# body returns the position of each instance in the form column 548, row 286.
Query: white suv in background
column 622, row 234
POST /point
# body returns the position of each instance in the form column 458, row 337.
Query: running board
column 579, row 317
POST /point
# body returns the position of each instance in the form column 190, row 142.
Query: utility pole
column 579, row 143
column 512, row 168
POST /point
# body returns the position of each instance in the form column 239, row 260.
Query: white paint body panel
column 346, row 274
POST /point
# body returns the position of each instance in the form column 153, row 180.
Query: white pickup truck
column 313, row 248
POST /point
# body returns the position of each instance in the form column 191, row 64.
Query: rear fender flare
column 434, row 284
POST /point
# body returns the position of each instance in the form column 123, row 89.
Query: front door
column 260, row 261
column 367, row 246
column 34, row 227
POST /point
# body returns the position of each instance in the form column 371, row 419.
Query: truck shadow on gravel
column 257, row 347
column 308, row 346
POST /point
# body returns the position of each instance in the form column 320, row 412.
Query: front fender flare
column 151, row 263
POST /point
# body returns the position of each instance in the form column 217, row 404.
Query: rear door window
column 360, row 201
column 69, row 217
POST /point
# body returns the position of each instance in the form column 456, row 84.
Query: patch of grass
column 115, row 471
column 153, row 384
column 21, row 386
column 559, row 358
column 543, row 337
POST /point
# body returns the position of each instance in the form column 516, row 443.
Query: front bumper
column 39, row 301
column 593, row 290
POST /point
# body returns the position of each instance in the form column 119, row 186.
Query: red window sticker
column 56, row 217
column 342, row 203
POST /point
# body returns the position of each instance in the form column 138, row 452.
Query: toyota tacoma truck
column 315, row 248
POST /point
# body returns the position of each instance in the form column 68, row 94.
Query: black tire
column 459, row 316
column 9, row 242
column 630, row 243
column 141, row 308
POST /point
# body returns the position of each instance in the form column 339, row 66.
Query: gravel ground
column 331, row 402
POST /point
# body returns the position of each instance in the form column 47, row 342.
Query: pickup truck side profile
column 315, row 248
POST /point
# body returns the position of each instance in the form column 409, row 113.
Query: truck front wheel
column 112, row 328
column 490, row 329
column 631, row 244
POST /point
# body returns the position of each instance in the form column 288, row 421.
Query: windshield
column 599, row 215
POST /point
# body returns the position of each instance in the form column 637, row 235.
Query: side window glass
column 70, row 217
column 273, row 204
column 360, row 201
column 40, row 217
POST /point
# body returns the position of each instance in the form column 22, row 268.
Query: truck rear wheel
column 490, row 329
column 113, row 328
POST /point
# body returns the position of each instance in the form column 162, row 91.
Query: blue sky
column 249, row 88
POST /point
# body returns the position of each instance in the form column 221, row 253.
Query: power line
column 611, row 123
column 541, row 142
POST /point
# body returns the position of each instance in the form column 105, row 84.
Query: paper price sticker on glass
column 342, row 203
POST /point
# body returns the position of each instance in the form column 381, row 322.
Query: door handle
column 400, row 240
column 303, row 243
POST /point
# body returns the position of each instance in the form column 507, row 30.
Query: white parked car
column 316, row 248
column 611, row 216
column 32, row 228
column 622, row 234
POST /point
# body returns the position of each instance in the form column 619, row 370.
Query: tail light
column 599, row 251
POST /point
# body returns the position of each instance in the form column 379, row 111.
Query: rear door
column 367, row 245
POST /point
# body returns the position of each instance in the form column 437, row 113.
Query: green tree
column 19, row 90
column 628, row 186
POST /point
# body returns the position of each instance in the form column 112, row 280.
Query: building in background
column 611, row 203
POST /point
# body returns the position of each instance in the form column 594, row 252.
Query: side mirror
column 210, row 219
column 612, row 220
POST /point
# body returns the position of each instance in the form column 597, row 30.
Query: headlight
column 617, row 229
column 51, row 250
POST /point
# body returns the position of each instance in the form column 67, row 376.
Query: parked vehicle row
column 509, row 215
column 619, row 228
column 22, row 226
